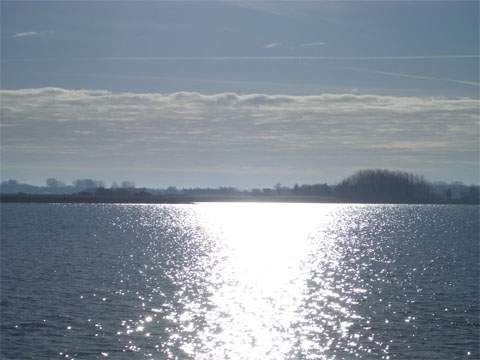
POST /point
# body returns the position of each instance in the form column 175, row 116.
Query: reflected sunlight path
column 260, row 264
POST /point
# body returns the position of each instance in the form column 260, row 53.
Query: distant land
column 365, row 186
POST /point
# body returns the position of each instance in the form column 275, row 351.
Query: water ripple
column 239, row 281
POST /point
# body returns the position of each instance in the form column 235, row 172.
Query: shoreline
column 156, row 199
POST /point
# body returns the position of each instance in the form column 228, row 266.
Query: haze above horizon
column 241, row 94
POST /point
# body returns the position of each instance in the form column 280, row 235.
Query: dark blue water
column 239, row 281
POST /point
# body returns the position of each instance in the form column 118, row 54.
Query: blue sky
column 190, row 91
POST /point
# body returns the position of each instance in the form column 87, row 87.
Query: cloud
column 273, row 45
column 25, row 34
column 230, row 131
column 31, row 34
column 311, row 44
column 252, row 58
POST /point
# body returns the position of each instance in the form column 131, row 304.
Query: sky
column 238, row 93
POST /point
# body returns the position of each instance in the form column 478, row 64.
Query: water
column 239, row 281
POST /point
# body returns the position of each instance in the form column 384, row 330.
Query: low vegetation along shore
column 366, row 186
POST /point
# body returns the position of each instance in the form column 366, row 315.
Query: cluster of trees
column 54, row 186
column 376, row 186
column 86, row 184
column 221, row 191
column 385, row 186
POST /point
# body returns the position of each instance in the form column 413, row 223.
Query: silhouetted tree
column 278, row 188
column 295, row 189
column 84, row 184
column 54, row 183
column 472, row 196
column 10, row 182
column 128, row 184
column 448, row 194
column 384, row 186
column 171, row 190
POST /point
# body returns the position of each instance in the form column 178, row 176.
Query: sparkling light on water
column 239, row 281
column 263, row 259
column 267, row 282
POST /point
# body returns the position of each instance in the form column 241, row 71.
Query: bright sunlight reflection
column 263, row 259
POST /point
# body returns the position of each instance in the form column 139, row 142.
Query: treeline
column 386, row 186
column 365, row 186
column 54, row 186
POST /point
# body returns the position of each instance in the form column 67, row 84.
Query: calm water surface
column 239, row 281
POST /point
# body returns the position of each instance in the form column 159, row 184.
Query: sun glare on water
column 262, row 258
column 245, row 281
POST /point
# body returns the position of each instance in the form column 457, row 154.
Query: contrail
column 409, row 76
column 247, row 58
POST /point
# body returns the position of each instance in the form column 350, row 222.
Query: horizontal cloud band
column 21, row 100
column 213, row 130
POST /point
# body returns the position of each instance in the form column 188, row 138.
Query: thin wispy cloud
column 251, row 58
column 31, row 34
column 273, row 45
column 25, row 34
column 313, row 44
column 283, row 9
column 408, row 76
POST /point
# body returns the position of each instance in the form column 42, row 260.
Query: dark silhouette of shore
column 366, row 186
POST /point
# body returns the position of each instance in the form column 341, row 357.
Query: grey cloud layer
column 227, row 129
